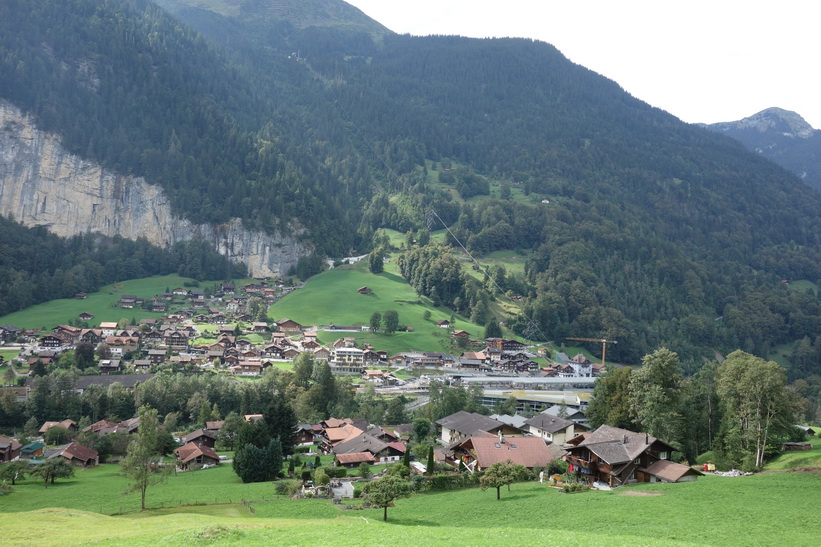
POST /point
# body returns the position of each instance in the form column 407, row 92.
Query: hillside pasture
column 332, row 298
column 102, row 304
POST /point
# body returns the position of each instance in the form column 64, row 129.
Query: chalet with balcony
column 616, row 457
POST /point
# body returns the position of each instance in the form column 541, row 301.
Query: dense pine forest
column 657, row 232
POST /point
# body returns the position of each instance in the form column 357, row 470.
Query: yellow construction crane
column 603, row 342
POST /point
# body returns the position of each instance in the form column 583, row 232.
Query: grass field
column 332, row 297
column 799, row 458
column 102, row 304
column 755, row 510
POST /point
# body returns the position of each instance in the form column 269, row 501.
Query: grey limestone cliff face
column 43, row 185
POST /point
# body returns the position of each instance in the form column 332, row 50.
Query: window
column 663, row 455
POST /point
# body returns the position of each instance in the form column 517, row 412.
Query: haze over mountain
column 783, row 137
column 312, row 132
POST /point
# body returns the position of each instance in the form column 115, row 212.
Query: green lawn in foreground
column 762, row 509
column 102, row 304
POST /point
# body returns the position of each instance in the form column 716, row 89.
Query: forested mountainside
column 783, row 137
column 657, row 232
column 36, row 266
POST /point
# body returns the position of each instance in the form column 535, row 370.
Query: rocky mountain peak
column 774, row 120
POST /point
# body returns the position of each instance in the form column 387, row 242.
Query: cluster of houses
column 168, row 340
column 353, row 442
column 197, row 450
column 607, row 457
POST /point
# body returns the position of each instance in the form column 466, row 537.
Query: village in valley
column 523, row 415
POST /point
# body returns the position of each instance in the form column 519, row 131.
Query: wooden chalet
column 288, row 325
column 201, row 437
column 9, row 449
column 75, row 454
column 354, row 459
column 194, row 456
column 462, row 425
column 616, row 456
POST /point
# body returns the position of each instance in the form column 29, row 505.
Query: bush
column 306, row 474
column 335, row 472
column 57, row 435
column 575, row 487
column 286, row 488
column 556, row 467
column 302, row 449
column 321, row 478
column 400, row 470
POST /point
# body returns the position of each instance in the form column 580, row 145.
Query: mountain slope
column 783, row 137
column 658, row 232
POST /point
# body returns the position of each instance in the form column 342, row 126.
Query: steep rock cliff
column 43, row 185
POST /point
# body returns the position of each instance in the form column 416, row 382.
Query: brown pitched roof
column 73, row 451
column 97, row 426
column 671, row 471
column 355, row 457
column 80, row 452
column 528, row 451
column 197, row 434
column 338, row 435
column 66, row 424
column 191, row 451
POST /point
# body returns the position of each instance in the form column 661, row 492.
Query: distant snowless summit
column 782, row 136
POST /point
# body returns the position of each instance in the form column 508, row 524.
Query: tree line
column 741, row 409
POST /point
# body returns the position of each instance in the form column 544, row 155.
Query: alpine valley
column 279, row 133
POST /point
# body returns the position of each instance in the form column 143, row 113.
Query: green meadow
column 757, row 510
column 102, row 304
column 332, row 298
column 798, row 458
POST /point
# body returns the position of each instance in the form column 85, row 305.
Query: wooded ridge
column 657, row 232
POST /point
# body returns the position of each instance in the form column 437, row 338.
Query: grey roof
column 572, row 414
column 515, row 420
column 615, row 445
column 551, row 424
column 468, row 423
column 362, row 443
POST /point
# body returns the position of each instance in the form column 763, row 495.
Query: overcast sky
column 703, row 61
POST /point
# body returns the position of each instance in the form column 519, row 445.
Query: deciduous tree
column 756, row 403
column 391, row 321
column 655, row 392
column 143, row 459
column 51, row 469
column 382, row 492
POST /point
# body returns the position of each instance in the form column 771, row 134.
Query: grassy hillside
column 711, row 511
column 103, row 304
column 332, row 297
column 799, row 458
